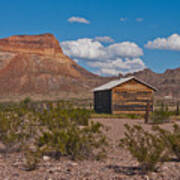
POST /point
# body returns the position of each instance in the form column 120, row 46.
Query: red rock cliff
column 45, row 44
column 35, row 64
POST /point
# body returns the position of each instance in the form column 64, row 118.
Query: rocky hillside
column 35, row 64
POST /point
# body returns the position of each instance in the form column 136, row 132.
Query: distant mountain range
column 35, row 64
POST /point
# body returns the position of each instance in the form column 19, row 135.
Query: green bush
column 161, row 115
column 16, row 127
column 68, row 132
column 31, row 159
column 171, row 139
column 57, row 128
column 177, row 109
column 148, row 149
column 26, row 101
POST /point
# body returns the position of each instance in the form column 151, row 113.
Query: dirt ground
column 118, row 165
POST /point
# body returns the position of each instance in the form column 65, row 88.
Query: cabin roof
column 114, row 83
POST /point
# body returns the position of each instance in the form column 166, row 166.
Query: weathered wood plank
column 131, row 97
column 133, row 85
column 132, row 107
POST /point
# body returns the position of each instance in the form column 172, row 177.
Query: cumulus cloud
column 74, row 19
column 89, row 49
column 76, row 60
column 170, row 43
column 124, row 49
column 122, row 19
column 84, row 49
column 139, row 19
column 113, row 59
column 105, row 39
column 116, row 66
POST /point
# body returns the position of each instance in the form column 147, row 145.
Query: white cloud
column 124, row 49
column 116, row 66
column 78, row 20
column 170, row 43
column 105, row 39
column 84, row 49
column 139, row 19
column 113, row 59
column 89, row 49
column 76, row 60
column 122, row 19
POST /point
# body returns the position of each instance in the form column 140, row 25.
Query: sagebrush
column 148, row 149
column 58, row 128
column 171, row 139
column 161, row 115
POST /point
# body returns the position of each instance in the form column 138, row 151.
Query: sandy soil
column 118, row 165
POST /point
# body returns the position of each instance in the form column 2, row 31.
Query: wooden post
column 90, row 106
column 146, row 117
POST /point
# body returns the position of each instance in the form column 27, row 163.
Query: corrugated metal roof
column 115, row 83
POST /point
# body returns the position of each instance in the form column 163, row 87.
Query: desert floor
column 118, row 165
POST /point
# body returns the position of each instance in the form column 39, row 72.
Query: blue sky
column 132, row 21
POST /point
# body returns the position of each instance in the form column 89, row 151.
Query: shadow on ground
column 127, row 170
column 174, row 160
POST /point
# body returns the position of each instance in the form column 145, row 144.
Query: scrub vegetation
column 54, row 129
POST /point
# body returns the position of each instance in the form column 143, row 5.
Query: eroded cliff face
column 36, row 64
column 45, row 44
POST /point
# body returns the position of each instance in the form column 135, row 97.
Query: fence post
column 90, row 105
column 146, row 117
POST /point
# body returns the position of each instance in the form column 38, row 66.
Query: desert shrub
column 32, row 159
column 26, row 100
column 67, row 133
column 81, row 116
column 177, row 109
column 66, row 110
column 16, row 127
column 171, row 139
column 57, row 128
column 146, row 148
column 161, row 115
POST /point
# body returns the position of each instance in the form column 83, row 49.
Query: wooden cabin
column 126, row 95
